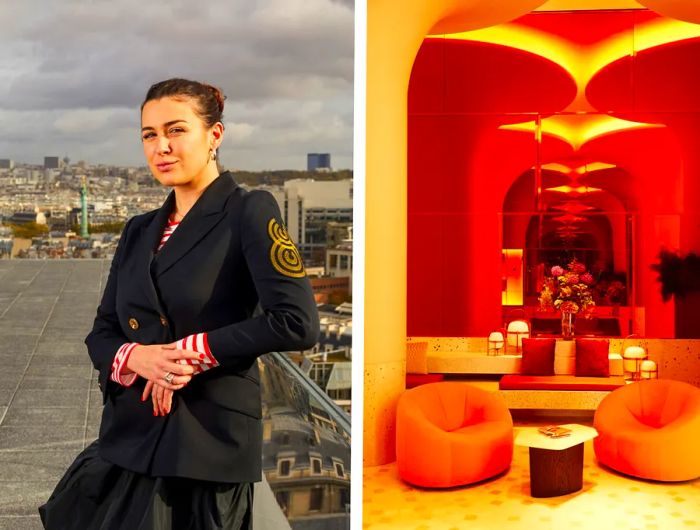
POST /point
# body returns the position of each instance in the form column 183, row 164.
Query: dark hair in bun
column 209, row 100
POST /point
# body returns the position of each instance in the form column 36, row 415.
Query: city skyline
column 75, row 76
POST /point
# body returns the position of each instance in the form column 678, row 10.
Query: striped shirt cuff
column 119, row 364
column 198, row 343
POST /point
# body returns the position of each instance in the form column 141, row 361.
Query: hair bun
column 218, row 95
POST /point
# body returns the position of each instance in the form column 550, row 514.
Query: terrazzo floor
column 608, row 500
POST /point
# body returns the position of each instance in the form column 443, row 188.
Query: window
column 315, row 499
column 315, row 466
column 283, row 500
column 284, row 467
column 344, row 499
column 340, row 393
column 339, row 470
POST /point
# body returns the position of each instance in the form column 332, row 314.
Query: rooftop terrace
column 50, row 405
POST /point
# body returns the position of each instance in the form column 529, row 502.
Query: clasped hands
column 153, row 363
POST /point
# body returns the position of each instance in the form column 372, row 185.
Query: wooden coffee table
column 556, row 464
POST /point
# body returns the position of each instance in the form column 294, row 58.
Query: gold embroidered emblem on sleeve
column 284, row 255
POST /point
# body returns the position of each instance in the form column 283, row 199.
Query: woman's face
column 177, row 143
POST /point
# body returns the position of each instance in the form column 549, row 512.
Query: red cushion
column 558, row 382
column 414, row 380
column 538, row 357
column 592, row 357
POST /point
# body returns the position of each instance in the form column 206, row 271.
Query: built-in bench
column 559, row 382
column 468, row 358
column 558, row 392
column 449, row 355
column 459, row 362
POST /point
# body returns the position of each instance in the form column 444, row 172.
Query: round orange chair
column 650, row 429
column 450, row 434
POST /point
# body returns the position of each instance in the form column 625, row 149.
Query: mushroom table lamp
column 648, row 370
column 516, row 331
column 496, row 342
column 632, row 360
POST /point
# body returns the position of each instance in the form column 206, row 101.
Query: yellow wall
column 395, row 31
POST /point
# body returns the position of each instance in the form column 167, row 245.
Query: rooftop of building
column 50, row 404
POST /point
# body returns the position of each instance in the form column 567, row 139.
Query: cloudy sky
column 73, row 74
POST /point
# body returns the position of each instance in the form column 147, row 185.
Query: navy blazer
column 229, row 254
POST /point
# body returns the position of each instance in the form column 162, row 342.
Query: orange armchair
column 650, row 429
column 450, row 434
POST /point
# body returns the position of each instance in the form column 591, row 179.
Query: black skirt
column 97, row 495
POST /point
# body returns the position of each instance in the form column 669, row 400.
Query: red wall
column 461, row 166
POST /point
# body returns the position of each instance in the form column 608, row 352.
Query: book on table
column 554, row 431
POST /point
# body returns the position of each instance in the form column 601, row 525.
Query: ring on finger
column 169, row 378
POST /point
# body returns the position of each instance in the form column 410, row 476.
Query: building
column 329, row 290
column 50, row 176
column 328, row 363
column 75, row 215
column 339, row 260
column 308, row 206
column 338, row 232
column 334, row 378
column 318, row 162
column 306, row 451
column 23, row 218
column 52, row 162
column 6, row 163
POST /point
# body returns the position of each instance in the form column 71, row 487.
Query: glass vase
column 567, row 325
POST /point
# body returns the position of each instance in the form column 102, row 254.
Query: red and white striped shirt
column 169, row 229
column 119, row 363
column 197, row 343
column 200, row 344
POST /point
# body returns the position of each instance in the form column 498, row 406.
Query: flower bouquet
column 569, row 291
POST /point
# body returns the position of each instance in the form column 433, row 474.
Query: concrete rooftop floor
column 50, row 404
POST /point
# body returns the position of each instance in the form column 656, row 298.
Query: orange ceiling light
column 572, row 207
column 551, row 47
column 582, row 62
column 576, row 171
column 554, row 166
column 593, row 166
column 587, row 5
column 649, row 34
column 569, row 218
column 576, row 129
column 571, row 190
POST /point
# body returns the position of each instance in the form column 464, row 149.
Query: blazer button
column 163, row 320
column 133, row 323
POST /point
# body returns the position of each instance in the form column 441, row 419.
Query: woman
column 175, row 339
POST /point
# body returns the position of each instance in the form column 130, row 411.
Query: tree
column 114, row 227
column 29, row 230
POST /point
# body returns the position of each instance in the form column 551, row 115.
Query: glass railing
column 306, row 447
